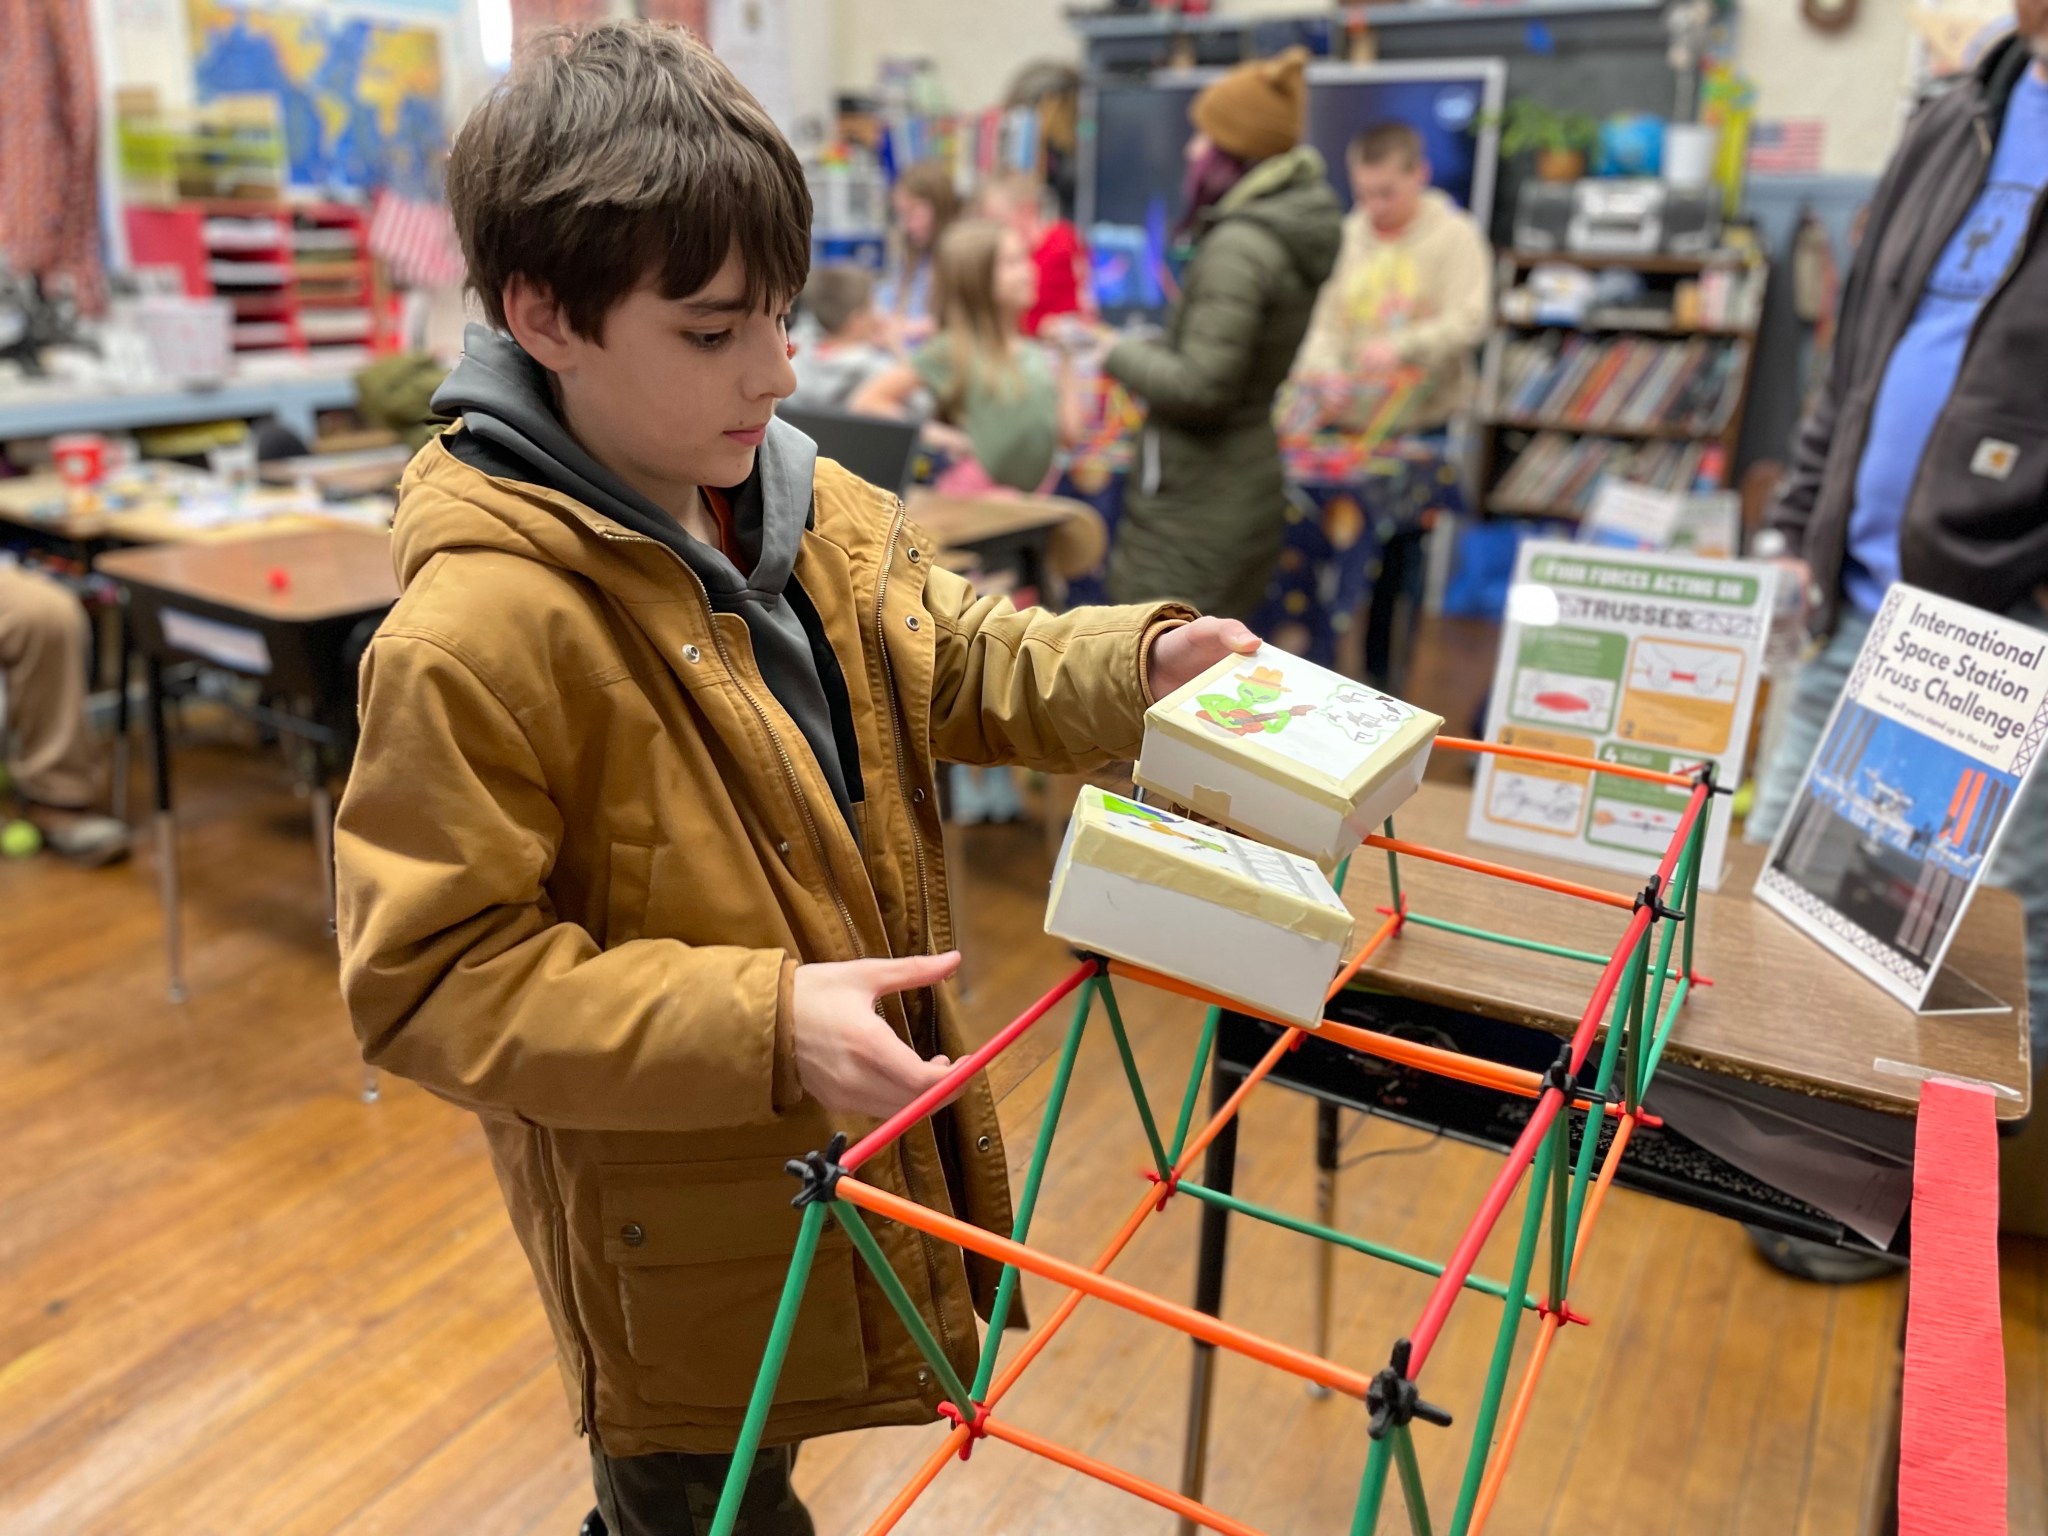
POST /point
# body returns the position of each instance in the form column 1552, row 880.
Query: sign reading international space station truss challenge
column 1905, row 802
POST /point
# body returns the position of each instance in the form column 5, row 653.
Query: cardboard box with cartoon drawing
column 1287, row 752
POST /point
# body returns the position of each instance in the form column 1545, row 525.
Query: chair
column 877, row 448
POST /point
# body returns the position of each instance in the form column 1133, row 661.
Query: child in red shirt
column 1017, row 199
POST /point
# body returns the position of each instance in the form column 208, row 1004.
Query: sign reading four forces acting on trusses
column 1904, row 803
column 1649, row 660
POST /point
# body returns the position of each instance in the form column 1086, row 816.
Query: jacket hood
column 503, row 397
column 1290, row 196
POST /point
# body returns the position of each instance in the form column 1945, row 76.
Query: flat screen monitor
column 1135, row 135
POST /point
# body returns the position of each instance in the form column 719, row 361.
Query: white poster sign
column 1648, row 660
column 1905, row 801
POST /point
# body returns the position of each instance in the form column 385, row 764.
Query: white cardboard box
column 1140, row 884
column 1285, row 751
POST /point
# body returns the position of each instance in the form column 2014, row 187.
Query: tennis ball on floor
column 20, row 840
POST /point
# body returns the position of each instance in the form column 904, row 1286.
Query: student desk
column 1784, row 1025
column 291, row 610
column 1038, row 537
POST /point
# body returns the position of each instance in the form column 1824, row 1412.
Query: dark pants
column 670, row 1494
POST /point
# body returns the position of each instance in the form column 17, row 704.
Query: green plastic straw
column 1512, row 942
column 1411, row 1481
column 1343, row 1239
column 1372, row 1488
column 749, row 1444
column 1196, row 1073
column 1670, row 1018
column 1560, row 1203
column 1603, row 1081
column 850, row 1218
column 1503, row 1342
column 1027, row 1202
column 1160, row 1161
column 1393, row 868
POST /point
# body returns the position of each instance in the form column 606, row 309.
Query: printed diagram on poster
column 1640, row 658
column 1909, row 793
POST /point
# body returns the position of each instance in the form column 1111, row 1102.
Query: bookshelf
column 299, row 276
column 1651, row 386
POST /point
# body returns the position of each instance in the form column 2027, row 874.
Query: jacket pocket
column 1984, row 480
column 701, row 1251
column 630, row 880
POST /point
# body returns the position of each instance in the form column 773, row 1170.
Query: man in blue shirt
column 1924, row 458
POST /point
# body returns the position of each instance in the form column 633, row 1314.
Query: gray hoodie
column 507, row 407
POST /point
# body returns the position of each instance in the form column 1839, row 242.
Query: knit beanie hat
column 1257, row 110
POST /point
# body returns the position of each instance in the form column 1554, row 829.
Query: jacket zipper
column 903, row 786
column 924, row 897
column 789, row 774
column 817, row 838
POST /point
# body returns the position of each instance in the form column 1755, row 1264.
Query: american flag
column 415, row 238
column 1788, row 148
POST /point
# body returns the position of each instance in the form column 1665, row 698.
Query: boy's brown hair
column 620, row 153
column 1378, row 143
column 836, row 294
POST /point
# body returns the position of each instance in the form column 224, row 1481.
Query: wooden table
column 291, row 610
column 1039, row 536
column 1784, row 1019
column 1781, row 1012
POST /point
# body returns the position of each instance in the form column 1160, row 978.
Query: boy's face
column 674, row 392
column 1390, row 191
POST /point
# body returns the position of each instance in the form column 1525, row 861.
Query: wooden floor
column 234, row 1298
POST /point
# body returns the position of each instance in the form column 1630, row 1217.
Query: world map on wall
column 360, row 98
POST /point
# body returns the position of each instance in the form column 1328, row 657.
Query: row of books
column 1623, row 383
column 1557, row 474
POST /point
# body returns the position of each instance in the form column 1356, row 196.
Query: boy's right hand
column 847, row 1056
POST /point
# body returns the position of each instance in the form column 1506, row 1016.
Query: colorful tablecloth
column 1347, row 503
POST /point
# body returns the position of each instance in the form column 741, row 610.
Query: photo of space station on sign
column 1892, row 828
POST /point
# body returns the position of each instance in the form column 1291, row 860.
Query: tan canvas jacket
column 582, row 852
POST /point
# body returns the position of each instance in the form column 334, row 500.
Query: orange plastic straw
column 1563, row 759
column 1199, row 1325
column 1188, row 989
column 1101, row 1471
column 1443, row 1063
column 1503, row 872
column 1006, row 1378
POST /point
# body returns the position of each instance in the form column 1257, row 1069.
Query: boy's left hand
column 1181, row 655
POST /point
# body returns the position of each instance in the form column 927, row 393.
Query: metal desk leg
column 1326, row 1215
column 1219, row 1171
column 124, row 655
column 166, row 830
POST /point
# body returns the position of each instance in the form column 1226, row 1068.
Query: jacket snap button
column 982, row 1144
column 782, row 847
column 632, row 1234
column 912, row 621
column 917, row 797
column 691, row 654
column 916, row 555
column 923, row 1375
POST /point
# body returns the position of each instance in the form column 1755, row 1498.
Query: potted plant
column 1559, row 139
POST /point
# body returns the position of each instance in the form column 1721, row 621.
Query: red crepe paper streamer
column 1952, row 1473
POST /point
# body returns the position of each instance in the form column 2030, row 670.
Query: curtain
column 49, row 146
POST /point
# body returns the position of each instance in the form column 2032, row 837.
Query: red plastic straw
column 1452, row 1280
column 962, row 1070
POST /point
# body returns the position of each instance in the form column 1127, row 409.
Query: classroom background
column 247, row 1284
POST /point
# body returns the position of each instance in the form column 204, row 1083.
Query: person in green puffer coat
column 1205, row 512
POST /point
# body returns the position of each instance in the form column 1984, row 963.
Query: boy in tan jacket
column 641, row 858
column 1413, row 286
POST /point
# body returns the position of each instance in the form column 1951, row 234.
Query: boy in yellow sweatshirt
column 1413, row 286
